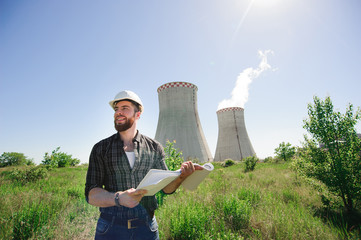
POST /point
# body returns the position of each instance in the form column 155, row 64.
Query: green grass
column 51, row 208
column 268, row 203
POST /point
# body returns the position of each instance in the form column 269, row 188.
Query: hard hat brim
column 127, row 96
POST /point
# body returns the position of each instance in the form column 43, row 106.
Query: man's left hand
column 188, row 168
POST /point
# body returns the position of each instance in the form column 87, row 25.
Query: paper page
column 192, row 182
column 156, row 180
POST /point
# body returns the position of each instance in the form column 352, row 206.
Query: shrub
column 273, row 160
column 250, row 162
column 173, row 160
column 59, row 159
column 268, row 160
column 31, row 174
column 228, row 163
column 173, row 157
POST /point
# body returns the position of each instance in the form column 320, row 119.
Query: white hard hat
column 127, row 95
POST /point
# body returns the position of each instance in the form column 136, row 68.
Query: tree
column 338, row 162
column 285, row 151
column 59, row 159
column 14, row 159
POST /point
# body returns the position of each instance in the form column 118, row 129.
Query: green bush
column 275, row 159
column 31, row 174
column 268, row 160
column 59, row 159
column 250, row 163
column 228, row 163
column 173, row 157
column 173, row 160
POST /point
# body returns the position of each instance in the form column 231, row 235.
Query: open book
column 157, row 179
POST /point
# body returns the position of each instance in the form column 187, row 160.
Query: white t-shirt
column 131, row 158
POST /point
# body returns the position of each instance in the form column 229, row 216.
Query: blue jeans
column 109, row 229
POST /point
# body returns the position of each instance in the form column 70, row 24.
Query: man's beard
column 125, row 126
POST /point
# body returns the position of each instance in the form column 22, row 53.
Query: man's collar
column 136, row 137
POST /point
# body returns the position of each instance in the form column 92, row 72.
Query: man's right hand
column 131, row 197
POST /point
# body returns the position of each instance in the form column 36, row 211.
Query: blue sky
column 61, row 62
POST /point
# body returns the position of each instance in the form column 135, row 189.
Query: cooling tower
column 179, row 120
column 233, row 141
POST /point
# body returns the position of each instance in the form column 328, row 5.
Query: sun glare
column 265, row 3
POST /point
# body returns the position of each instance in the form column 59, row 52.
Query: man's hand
column 131, row 197
column 187, row 168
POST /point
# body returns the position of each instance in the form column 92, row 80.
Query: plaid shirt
column 109, row 167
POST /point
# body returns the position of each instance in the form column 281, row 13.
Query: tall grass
column 267, row 203
column 51, row 208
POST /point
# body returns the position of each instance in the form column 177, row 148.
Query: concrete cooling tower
column 179, row 120
column 233, row 141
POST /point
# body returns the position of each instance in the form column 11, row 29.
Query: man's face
column 124, row 116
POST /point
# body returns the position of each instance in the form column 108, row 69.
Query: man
column 117, row 164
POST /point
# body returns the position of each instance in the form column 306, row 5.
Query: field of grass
column 268, row 203
column 52, row 208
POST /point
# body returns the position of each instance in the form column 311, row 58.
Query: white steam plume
column 241, row 91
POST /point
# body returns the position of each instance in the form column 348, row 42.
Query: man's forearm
column 101, row 198
column 187, row 168
column 174, row 185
